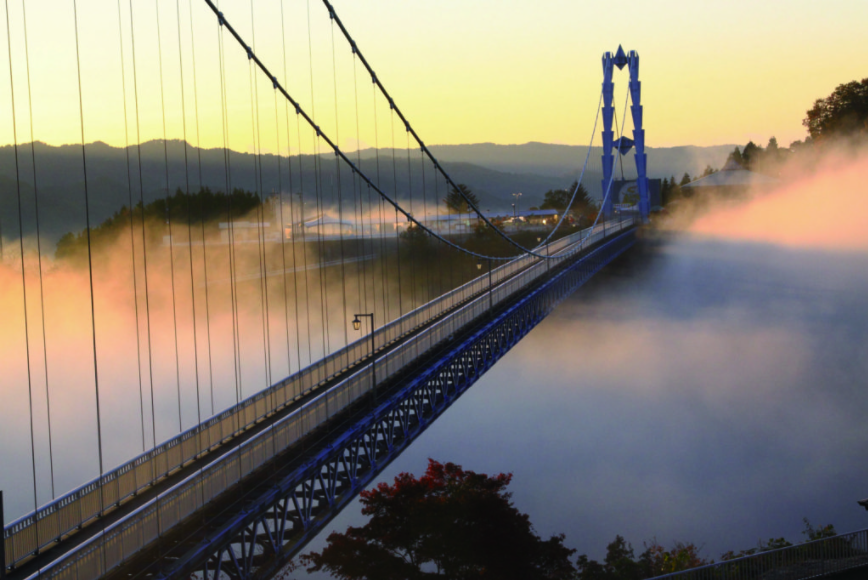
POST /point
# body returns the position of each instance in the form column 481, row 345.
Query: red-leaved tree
column 448, row 523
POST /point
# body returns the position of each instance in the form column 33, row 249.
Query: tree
column 621, row 564
column 709, row 170
column 448, row 523
column 685, row 179
column 456, row 203
column 811, row 533
column 202, row 206
column 843, row 113
column 630, row 198
column 735, row 155
column 559, row 199
column 751, row 154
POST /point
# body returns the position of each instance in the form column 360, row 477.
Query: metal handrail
column 814, row 559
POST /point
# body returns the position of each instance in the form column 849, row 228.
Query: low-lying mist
column 818, row 206
column 159, row 370
column 706, row 388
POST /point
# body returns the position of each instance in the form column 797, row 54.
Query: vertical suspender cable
column 346, row 318
column 202, row 208
column 413, row 288
column 318, row 188
column 364, row 252
column 224, row 119
column 132, row 233
column 257, row 175
column 425, row 217
column 169, row 220
column 304, row 241
column 189, row 219
column 89, row 249
column 23, row 273
column 397, row 234
column 381, row 209
column 144, row 237
column 281, row 235
column 291, row 193
column 38, row 250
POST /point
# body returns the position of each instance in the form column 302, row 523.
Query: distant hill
column 565, row 160
column 493, row 172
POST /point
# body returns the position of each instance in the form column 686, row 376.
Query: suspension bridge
column 242, row 321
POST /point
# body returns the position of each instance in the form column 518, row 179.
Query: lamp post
column 516, row 196
column 357, row 325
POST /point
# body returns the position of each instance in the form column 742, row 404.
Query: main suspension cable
column 252, row 56
column 333, row 15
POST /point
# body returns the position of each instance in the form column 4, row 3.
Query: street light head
column 479, row 265
column 357, row 324
column 539, row 239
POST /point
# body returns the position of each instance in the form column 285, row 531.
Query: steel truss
column 279, row 524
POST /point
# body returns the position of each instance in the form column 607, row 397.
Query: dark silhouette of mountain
column 566, row 160
column 149, row 171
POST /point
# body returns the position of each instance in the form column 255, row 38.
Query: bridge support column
column 639, row 136
column 608, row 134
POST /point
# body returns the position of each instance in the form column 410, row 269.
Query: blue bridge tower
column 623, row 144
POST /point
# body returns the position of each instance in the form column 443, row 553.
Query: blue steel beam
column 608, row 135
column 639, row 135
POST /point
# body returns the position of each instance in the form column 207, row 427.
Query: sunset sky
column 499, row 71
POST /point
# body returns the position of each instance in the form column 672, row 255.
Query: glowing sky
column 463, row 71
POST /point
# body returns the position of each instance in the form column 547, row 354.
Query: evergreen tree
column 558, row 199
column 456, row 203
column 736, row 156
column 751, row 154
